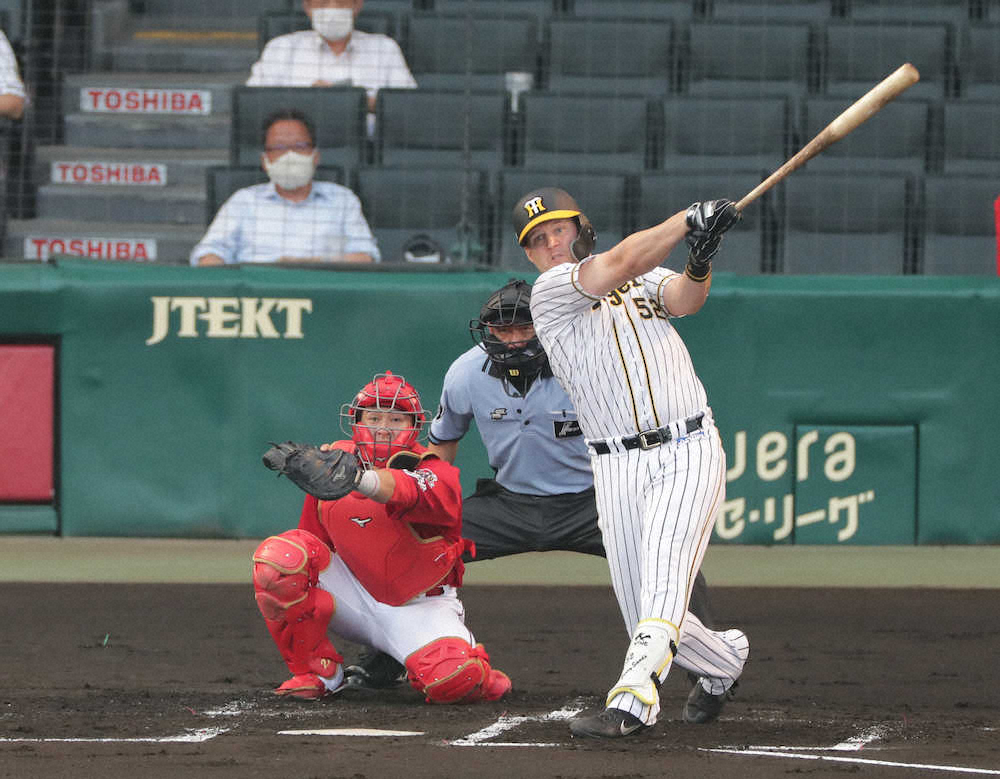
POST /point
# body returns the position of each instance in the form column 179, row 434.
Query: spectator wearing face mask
column 332, row 53
column 293, row 218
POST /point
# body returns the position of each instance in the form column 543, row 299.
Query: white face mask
column 333, row 24
column 291, row 170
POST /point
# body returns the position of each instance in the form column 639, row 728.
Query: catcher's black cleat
column 610, row 723
column 375, row 671
column 702, row 707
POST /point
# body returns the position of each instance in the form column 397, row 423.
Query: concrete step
column 36, row 238
column 234, row 9
column 121, row 93
column 140, row 204
column 167, row 51
column 148, row 131
column 197, row 23
column 183, row 168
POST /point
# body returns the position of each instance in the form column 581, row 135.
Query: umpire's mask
column 509, row 306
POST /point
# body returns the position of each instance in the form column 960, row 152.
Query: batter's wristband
column 698, row 271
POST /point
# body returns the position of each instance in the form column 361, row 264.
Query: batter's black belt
column 649, row 439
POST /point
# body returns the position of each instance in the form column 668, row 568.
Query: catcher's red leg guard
column 451, row 670
column 297, row 613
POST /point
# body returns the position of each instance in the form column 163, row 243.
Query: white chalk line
column 350, row 732
column 856, row 760
column 853, row 744
column 506, row 722
column 191, row 737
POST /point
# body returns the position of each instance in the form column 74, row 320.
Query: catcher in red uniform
column 376, row 558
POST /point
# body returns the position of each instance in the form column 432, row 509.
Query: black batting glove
column 707, row 222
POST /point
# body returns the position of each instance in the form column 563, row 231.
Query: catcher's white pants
column 395, row 630
column 657, row 508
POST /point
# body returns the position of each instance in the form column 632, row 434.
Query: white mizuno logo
column 361, row 521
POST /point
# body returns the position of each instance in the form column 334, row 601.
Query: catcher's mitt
column 326, row 475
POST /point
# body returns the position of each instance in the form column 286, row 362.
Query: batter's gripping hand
column 325, row 475
column 706, row 224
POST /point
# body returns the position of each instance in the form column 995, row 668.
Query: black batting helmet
column 508, row 306
column 546, row 204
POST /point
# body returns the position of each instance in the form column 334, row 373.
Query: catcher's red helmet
column 385, row 392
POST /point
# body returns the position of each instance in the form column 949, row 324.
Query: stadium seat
column 402, row 204
column 609, row 55
column 901, row 138
column 860, row 54
column 271, row 25
column 972, row 138
column 979, row 63
column 748, row 248
column 776, row 10
column 720, row 133
column 428, row 127
column 606, row 199
column 538, row 8
column 748, row 59
column 221, row 181
column 570, row 132
column 632, row 9
column 846, row 223
column 337, row 112
column 954, row 11
column 451, row 51
column 959, row 233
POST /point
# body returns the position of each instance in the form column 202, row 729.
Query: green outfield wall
column 853, row 410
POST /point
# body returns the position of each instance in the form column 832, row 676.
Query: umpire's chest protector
column 390, row 559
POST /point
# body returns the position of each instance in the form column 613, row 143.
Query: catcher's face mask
column 396, row 429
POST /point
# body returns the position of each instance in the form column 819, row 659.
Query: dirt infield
column 173, row 680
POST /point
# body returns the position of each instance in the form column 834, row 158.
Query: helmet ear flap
column 585, row 241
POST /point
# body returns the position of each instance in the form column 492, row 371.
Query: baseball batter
column 541, row 497
column 379, row 565
column 658, row 463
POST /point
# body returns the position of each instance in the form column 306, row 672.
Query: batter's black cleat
column 610, row 723
column 702, row 707
column 375, row 671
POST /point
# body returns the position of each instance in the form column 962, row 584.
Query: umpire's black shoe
column 610, row 723
column 375, row 671
column 702, row 707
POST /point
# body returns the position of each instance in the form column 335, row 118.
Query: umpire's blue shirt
column 534, row 442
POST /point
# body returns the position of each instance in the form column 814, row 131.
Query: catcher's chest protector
column 386, row 555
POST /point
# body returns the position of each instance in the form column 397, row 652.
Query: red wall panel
column 27, row 373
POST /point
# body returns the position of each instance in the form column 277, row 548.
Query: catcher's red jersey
column 403, row 548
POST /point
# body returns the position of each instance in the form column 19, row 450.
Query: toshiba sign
column 41, row 248
column 131, row 173
column 128, row 100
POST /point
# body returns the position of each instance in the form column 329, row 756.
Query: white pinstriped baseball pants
column 657, row 508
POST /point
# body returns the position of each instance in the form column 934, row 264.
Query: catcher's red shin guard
column 451, row 670
column 296, row 611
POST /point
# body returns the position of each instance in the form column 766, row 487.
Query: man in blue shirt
column 542, row 495
column 293, row 218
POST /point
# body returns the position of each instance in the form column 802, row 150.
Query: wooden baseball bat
column 860, row 111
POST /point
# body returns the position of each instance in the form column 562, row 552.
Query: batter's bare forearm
column 637, row 254
column 682, row 296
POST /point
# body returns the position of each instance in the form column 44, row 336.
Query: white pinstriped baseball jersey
column 627, row 370
column 644, row 378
